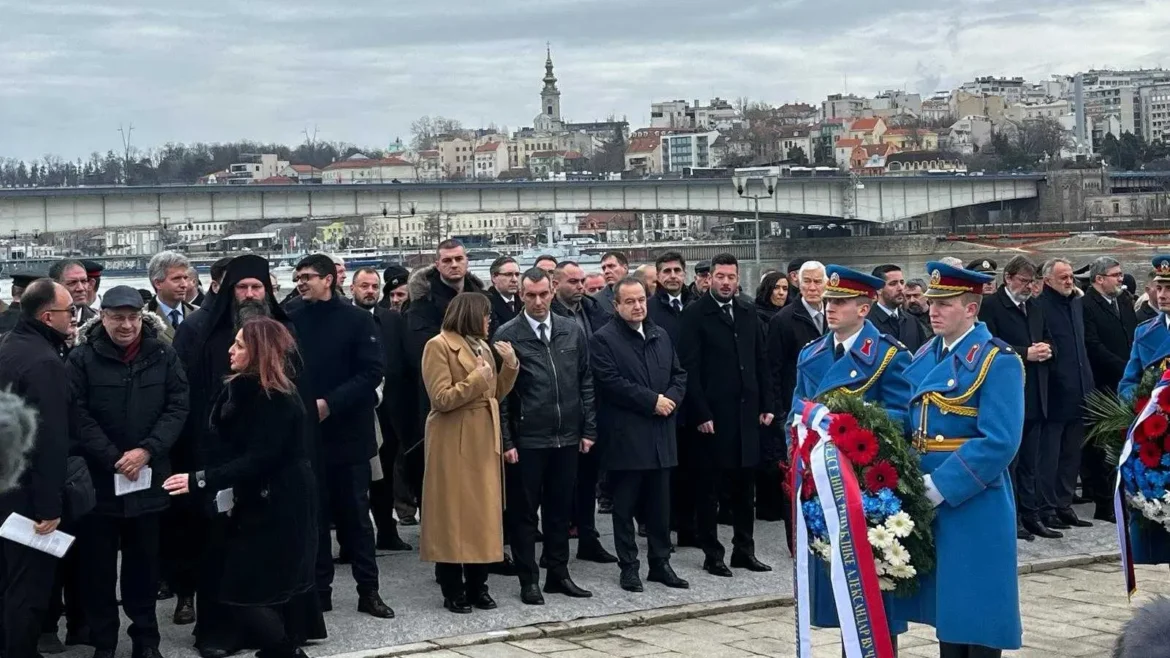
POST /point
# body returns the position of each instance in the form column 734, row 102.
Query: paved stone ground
column 1067, row 612
column 408, row 586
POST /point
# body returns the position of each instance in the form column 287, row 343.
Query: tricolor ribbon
column 1120, row 509
column 856, row 593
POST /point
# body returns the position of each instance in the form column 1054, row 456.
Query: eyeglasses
column 305, row 278
column 59, row 310
column 124, row 319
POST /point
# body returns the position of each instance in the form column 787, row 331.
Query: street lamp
column 742, row 183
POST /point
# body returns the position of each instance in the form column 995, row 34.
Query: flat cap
column 703, row 267
column 122, row 297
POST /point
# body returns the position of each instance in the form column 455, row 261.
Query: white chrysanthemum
column 1166, row 498
column 903, row 571
column 897, row 554
column 886, row 584
column 820, row 547
column 900, row 524
column 879, row 537
column 879, row 567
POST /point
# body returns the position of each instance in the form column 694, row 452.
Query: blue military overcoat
column 970, row 405
column 873, row 367
column 1151, row 348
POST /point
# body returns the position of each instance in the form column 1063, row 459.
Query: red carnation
column 882, row 475
column 865, row 447
column 842, row 425
column 1155, row 426
column 1150, row 454
column 1164, row 402
column 1140, row 404
column 847, row 444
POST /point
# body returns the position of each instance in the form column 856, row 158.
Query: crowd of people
column 225, row 435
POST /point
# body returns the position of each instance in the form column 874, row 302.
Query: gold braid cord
column 893, row 351
column 955, row 405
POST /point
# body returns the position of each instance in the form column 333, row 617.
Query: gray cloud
column 362, row 70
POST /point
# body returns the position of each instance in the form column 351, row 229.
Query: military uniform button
column 939, row 437
column 950, row 382
column 852, row 373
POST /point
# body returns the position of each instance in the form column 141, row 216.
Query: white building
column 360, row 169
column 838, row 106
column 490, row 160
column 967, row 135
column 260, row 167
column 202, row 230
column 1011, row 89
column 1155, row 112
column 791, row 138
column 895, row 103
column 1031, row 111
column 937, row 107
column 689, row 150
column 718, row 114
column 671, row 114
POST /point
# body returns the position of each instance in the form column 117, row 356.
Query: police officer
column 857, row 359
column 1151, row 349
column 966, row 418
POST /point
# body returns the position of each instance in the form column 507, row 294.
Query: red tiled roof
column 276, row 180
column 304, row 168
column 487, row 147
column 644, row 144
column 363, row 164
column 848, row 142
column 864, row 124
column 571, row 155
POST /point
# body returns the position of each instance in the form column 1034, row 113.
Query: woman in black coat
column 271, row 543
column 771, row 296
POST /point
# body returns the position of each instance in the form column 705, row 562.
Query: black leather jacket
column 551, row 404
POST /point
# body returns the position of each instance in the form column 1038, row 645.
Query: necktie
column 1113, row 307
column 819, row 319
column 515, row 304
column 174, row 315
column 677, row 305
column 1023, row 308
column 945, row 352
column 726, row 308
column 543, row 334
column 838, row 351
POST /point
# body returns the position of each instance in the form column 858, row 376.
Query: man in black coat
column 365, row 287
column 793, row 327
column 673, row 293
column 505, row 291
column 10, row 315
column 1012, row 316
column 31, row 366
column 131, row 400
column 1110, row 322
column 639, row 385
column 721, row 348
column 343, row 369
column 1070, row 381
column 888, row 316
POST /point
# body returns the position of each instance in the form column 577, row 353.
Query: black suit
column 397, row 400
column 1109, row 329
column 502, row 310
column 1021, row 329
column 905, row 327
column 729, row 386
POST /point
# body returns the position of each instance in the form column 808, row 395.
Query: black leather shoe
column 102, row 653
column 184, row 611
column 341, row 558
column 373, row 605
column 76, row 637
column 748, row 562
column 530, row 594
column 630, row 581
column 408, row 520
column 392, row 543
column 213, row 652
column 1040, row 529
column 459, row 605
column 1054, row 523
column 49, row 643
column 505, row 567
column 717, row 568
column 1081, row 500
column 1105, row 513
column 604, row 506
column 594, row 552
column 565, row 586
column 665, row 575
column 144, row 652
column 1070, row 517
column 1023, row 534
column 687, row 540
column 483, row 600
column 641, row 529
column 164, row 591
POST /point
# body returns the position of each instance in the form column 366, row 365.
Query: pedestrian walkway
column 1074, row 612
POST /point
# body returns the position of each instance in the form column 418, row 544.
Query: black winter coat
column 551, row 404
column 1108, row 338
column 343, row 365
column 594, row 311
column 398, row 394
column 32, row 367
column 629, row 373
column 120, row 407
column 1144, row 313
column 502, row 311
column 664, row 315
column 1006, row 322
column 271, row 543
column 788, row 332
column 727, row 380
column 1070, row 378
column 906, row 328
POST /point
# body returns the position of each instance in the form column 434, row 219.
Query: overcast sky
column 362, row 70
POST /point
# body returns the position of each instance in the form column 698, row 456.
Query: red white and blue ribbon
column 1120, row 509
column 856, row 593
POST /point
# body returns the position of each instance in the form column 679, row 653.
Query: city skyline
column 71, row 72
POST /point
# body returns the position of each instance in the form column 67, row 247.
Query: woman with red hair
column 266, row 485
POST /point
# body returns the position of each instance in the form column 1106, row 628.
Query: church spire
column 550, row 80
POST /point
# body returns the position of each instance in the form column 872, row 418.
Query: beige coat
column 463, row 484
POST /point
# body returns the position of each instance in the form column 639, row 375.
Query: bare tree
column 425, row 131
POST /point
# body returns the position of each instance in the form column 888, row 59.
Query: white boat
column 560, row 251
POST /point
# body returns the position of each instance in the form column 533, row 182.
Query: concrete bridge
column 841, row 198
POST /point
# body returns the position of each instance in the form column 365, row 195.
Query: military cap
column 395, row 276
column 948, row 281
column 93, row 269
column 983, row 265
column 844, row 283
column 1161, row 265
column 23, row 279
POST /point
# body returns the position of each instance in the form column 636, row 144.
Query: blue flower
column 1166, row 459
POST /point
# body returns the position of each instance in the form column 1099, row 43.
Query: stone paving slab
column 408, row 586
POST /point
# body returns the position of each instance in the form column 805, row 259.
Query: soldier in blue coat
column 1151, row 349
column 966, row 418
column 857, row 359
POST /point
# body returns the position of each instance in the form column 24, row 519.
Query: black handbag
column 80, row 498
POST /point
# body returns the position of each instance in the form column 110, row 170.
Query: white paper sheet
column 225, row 500
column 20, row 529
column 124, row 485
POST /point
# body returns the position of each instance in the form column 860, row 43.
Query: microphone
column 18, row 429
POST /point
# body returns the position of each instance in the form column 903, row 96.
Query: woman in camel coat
column 463, row 487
